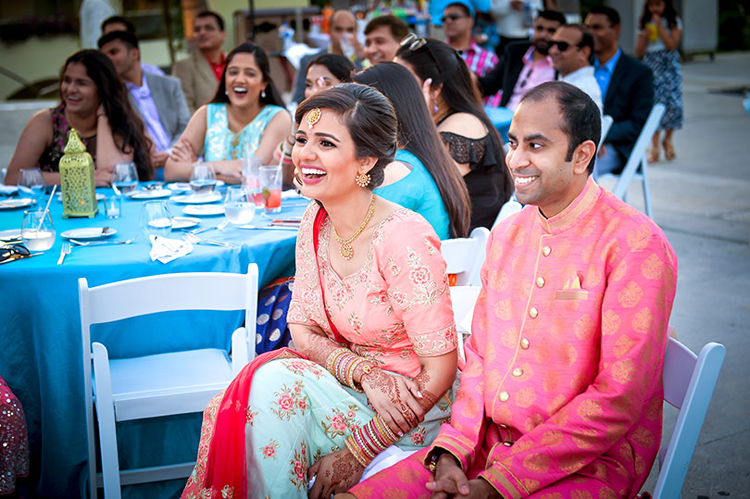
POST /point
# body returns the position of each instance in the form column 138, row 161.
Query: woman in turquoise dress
column 422, row 177
column 245, row 117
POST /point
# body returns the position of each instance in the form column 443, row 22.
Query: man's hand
column 337, row 472
column 449, row 479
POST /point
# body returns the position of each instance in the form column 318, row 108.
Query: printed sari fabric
column 395, row 308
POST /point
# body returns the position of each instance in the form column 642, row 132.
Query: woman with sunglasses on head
column 422, row 177
column 95, row 103
column 246, row 116
column 371, row 320
column 472, row 140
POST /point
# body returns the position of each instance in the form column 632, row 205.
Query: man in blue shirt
column 627, row 90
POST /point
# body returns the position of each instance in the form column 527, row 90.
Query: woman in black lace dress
column 472, row 140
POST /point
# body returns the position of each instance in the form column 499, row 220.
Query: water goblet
column 37, row 230
column 239, row 207
column 202, row 178
column 251, row 178
column 125, row 177
column 156, row 219
column 31, row 183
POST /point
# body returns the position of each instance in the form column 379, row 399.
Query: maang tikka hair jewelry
column 363, row 179
column 313, row 116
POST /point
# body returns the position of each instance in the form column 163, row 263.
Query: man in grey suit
column 158, row 99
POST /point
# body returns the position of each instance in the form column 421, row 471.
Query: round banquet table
column 41, row 351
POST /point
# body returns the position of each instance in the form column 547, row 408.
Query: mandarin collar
column 575, row 211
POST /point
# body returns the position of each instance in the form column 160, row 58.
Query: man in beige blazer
column 201, row 71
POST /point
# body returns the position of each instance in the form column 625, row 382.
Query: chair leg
column 646, row 190
column 105, row 411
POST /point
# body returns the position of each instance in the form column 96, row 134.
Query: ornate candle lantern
column 77, row 179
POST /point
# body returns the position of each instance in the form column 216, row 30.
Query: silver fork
column 101, row 243
column 221, row 226
column 66, row 249
column 193, row 239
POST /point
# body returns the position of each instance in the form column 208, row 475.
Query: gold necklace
column 346, row 244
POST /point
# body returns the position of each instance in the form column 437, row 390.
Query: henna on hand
column 428, row 399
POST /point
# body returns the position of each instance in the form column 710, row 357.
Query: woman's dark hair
column 125, row 123
column 418, row 135
column 273, row 96
column 439, row 61
column 369, row 118
column 670, row 14
column 339, row 66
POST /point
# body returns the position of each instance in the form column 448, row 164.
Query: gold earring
column 363, row 179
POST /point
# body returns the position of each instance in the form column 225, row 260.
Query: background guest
column 472, row 140
column 200, row 72
column 158, row 99
column 246, row 117
column 382, row 37
column 657, row 43
column 119, row 23
column 571, row 50
column 94, row 102
column 423, row 177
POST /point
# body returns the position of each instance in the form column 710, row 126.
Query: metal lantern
column 77, row 179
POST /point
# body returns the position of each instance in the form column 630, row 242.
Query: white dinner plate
column 99, row 196
column 198, row 199
column 185, row 186
column 13, row 203
column 179, row 223
column 88, row 233
column 206, row 210
column 149, row 194
column 9, row 235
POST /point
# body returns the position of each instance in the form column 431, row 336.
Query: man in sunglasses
column 571, row 50
column 524, row 65
column 458, row 26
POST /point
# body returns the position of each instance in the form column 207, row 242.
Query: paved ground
column 702, row 201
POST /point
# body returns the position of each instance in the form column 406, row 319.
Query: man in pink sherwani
column 561, row 396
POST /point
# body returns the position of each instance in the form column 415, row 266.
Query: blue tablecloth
column 40, row 346
column 501, row 118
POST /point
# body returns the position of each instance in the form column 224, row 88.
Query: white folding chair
column 511, row 207
column 463, row 298
column 607, row 121
column 163, row 384
column 689, row 382
column 465, row 256
column 637, row 165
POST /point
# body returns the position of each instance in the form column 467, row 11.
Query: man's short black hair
column 581, row 118
column 119, row 20
column 399, row 29
column 462, row 6
column 210, row 13
column 553, row 15
column 129, row 39
column 612, row 15
column 587, row 39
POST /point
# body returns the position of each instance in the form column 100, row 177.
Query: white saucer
column 88, row 233
column 149, row 194
column 99, row 196
column 13, row 203
column 9, row 235
column 198, row 199
column 178, row 186
column 204, row 210
column 179, row 223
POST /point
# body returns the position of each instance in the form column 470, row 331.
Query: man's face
column 573, row 57
column 456, row 22
column 544, row 29
column 537, row 158
column 605, row 35
column 342, row 23
column 122, row 58
column 380, row 46
column 206, row 33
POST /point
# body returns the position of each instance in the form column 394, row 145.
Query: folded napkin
column 7, row 190
column 165, row 250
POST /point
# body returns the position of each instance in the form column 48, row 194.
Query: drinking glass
column 270, row 185
column 239, row 207
column 31, row 183
column 251, row 178
column 155, row 219
column 37, row 230
column 125, row 178
column 202, row 178
column 112, row 206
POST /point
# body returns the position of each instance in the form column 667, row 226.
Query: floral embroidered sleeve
column 307, row 301
column 417, row 284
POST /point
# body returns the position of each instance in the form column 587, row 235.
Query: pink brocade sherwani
column 566, row 353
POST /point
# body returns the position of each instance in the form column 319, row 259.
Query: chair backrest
column 638, row 154
column 465, row 256
column 607, row 121
column 510, row 207
column 689, row 382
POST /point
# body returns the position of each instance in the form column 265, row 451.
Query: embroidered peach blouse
column 396, row 307
column 564, row 365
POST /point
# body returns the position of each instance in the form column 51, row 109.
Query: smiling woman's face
column 78, row 91
column 244, row 80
